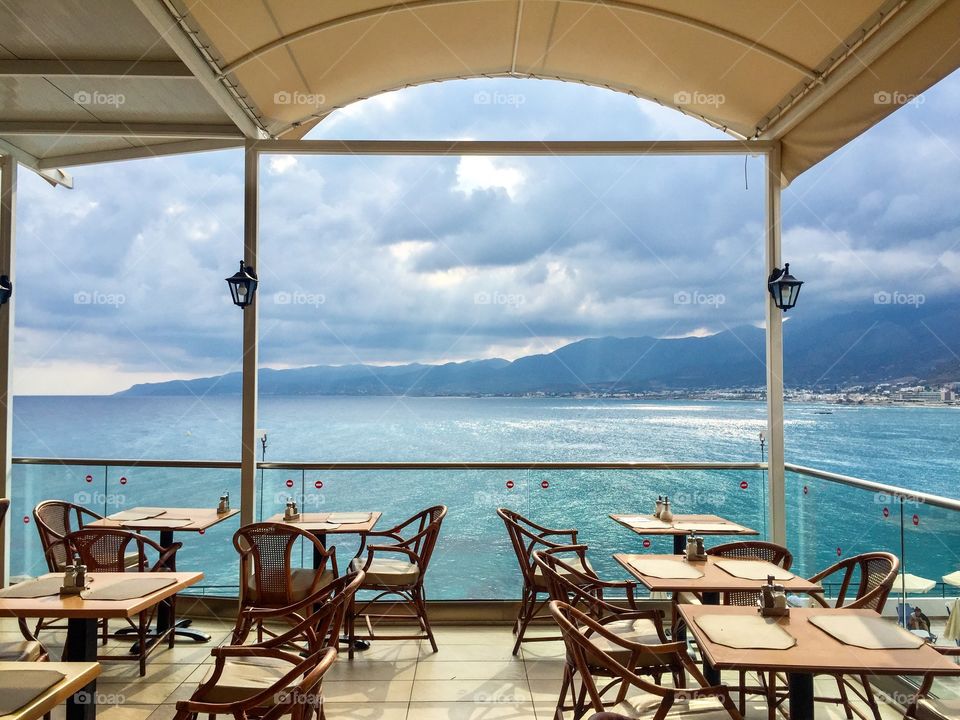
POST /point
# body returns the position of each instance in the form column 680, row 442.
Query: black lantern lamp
column 243, row 285
column 6, row 289
column 784, row 287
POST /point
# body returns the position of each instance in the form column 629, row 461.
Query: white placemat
column 158, row 523
column 135, row 514
column 40, row 587
column 644, row 521
column 870, row 633
column 665, row 569
column 349, row 518
column 19, row 688
column 128, row 588
column 708, row 526
column 747, row 632
column 753, row 569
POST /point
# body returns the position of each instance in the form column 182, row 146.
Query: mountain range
column 880, row 343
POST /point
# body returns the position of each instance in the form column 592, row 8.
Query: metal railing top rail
column 891, row 490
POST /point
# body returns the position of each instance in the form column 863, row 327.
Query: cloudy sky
column 388, row 260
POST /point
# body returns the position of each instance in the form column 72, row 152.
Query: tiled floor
column 473, row 676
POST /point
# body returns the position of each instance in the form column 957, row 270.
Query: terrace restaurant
column 675, row 613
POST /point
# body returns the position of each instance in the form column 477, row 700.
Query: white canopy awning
column 204, row 75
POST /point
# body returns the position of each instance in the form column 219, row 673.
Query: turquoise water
column 911, row 447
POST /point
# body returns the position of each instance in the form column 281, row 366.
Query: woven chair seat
column 301, row 584
column 20, row 651
column 387, row 572
column 645, row 705
column 242, row 678
column 541, row 583
column 638, row 631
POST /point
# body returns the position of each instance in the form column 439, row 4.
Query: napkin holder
column 695, row 551
column 773, row 600
column 74, row 580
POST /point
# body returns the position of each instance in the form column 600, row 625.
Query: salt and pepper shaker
column 666, row 515
column 695, row 549
column 224, row 506
column 659, row 509
column 773, row 599
column 291, row 512
column 74, row 578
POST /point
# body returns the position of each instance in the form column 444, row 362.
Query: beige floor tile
column 387, row 650
column 483, row 634
column 544, row 669
column 341, row 691
column 472, row 691
column 468, row 653
column 163, row 712
column 543, row 650
column 125, row 712
column 367, row 711
column 130, row 672
column 136, row 693
column 470, row 670
column 378, row 670
column 471, row 711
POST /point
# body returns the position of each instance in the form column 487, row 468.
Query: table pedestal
column 800, row 686
column 81, row 646
column 317, row 559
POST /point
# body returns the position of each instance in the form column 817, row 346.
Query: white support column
column 774, row 322
column 251, row 239
column 8, row 206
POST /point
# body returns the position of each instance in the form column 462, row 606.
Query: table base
column 81, row 646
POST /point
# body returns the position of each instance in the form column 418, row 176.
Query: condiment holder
column 291, row 512
column 223, row 507
column 74, row 579
column 659, row 506
column 695, row 551
column 773, row 600
column 666, row 514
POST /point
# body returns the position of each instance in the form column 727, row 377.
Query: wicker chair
column 527, row 536
column 589, row 645
column 110, row 550
column 921, row 706
column 569, row 585
column 268, row 577
column 869, row 578
column 397, row 569
column 29, row 648
column 255, row 682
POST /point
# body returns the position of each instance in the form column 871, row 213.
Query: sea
column 912, row 447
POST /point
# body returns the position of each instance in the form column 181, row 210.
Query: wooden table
column 715, row 581
column 316, row 525
column 680, row 534
column 78, row 675
column 199, row 520
column 815, row 652
column 82, row 617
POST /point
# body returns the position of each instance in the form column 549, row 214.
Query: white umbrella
column 913, row 584
column 952, row 579
column 952, row 631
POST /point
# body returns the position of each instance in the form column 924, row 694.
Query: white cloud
column 484, row 173
column 279, row 164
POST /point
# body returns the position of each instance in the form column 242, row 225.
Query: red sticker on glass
column 646, row 543
column 289, row 483
column 805, row 489
column 89, row 478
column 26, row 520
column 123, row 481
column 318, row 484
column 886, row 512
column 202, row 531
column 839, row 552
column 544, row 484
column 916, row 519
column 744, row 484
column 509, row 484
